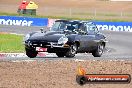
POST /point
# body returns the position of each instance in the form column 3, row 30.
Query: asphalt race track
column 119, row 46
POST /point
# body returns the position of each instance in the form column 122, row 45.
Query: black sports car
column 67, row 38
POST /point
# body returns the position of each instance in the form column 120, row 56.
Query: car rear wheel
column 59, row 54
column 72, row 51
column 31, row 53
column 99, row 51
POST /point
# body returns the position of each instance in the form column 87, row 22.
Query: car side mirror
column 42, row 30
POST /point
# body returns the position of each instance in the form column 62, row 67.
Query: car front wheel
column 72, row 51
column 99, row 51
column 31, row 53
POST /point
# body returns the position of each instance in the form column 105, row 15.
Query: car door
column 92, row 34
column 84, row 38
column 87, row 38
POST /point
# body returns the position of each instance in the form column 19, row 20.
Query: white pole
column 121, row 14
column 70, row 12
column 95, row 12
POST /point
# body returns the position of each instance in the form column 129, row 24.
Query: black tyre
column 72, row 51
column 31, row 53
column 99, row 51
column 59, row 54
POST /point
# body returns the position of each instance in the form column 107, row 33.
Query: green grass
column 11, row 43
column 79, row 17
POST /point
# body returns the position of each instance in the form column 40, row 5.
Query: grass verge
column 11, row 43
column 112, row 18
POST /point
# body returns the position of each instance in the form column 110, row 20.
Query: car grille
column 40, row 44
column 43, row 44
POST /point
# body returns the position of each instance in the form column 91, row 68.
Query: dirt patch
column 90, row 4
column 58, row 74
column 4, row 33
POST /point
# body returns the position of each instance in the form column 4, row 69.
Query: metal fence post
column 70, row 12
column 95, row 12
column 121, row 14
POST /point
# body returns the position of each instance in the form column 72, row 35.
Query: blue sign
column 23, row 21
column 115, row 26
column 29, row 21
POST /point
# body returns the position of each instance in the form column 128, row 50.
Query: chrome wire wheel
column 72, row 51
column 99, row 51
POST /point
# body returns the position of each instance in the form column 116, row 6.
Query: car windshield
column 55, row 26
column 61, row 26
column 91, row 28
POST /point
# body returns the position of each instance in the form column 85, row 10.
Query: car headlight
column 62, row 40
column 26, row 37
